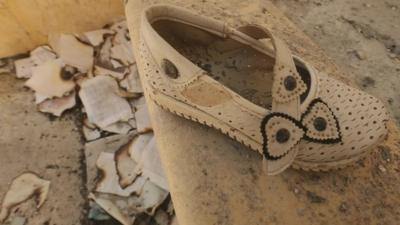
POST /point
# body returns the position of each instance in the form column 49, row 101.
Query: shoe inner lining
column 239, row 67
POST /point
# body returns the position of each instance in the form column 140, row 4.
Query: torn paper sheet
column 118, row 128
column 22, row 188
column 46, row 80
column 150, row 198
column 57, row 106
column 138, row 145
column 72, row 51
column 98, row 71
column 102, row 103
column 96, row 37
column 111, row 209
column 142, row 117
column 93, row 149
column 123, row 53
column 125, row 166
column 150, row 165
column 42, row 54
column 104, row 55
column 109, row 182
column 40, row 98
column 24, row 67
column 132, row 81
column 90, row 134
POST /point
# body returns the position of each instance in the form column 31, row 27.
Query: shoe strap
column 287, row 88
column 287, row 84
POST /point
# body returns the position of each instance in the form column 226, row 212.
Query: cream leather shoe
column 247, row 84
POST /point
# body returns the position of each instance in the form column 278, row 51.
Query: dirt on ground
column 362, row 37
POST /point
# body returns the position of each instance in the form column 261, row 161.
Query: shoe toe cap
column 362, row 123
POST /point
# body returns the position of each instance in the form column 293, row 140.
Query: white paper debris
column 109, row 182
column 138, row 145
column 150, row 165
column 40, row 97
column 151, row 197
column 96, row 37
column 132, row 81
column 91, row 134
column 118, row 128
column 142, row 117
column 57, row 106
column 123, row 53
column 93, row 149
column 103, row 106
column 22, row 188
column 24, row 67
column 98, row 71
column 42, row 54
column 72, row 52
column 125, row 166
column 46, row 80
column 105, row 53
column 111, row 209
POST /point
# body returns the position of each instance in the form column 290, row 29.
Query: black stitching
column 322, row 141
column 264, row 133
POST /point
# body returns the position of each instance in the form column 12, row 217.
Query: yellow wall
column 24, row 24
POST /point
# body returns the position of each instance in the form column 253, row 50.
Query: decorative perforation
column 280, row 92
column 361, row 118
column 272, row 123
column 320, row 123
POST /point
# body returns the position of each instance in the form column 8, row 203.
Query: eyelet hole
column 170, row 69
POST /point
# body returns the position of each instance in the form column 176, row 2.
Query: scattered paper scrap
column 72, row 51
column 111, row 209
column 125, row 166
column 102, row 103
column 93, row 149
column 22, row 188
column 109, row 182
column 46, row 80
column 132, row 81
column 42, row 54
column 138, row 145
column 151, row 197
column 96, row 37
column 57, row 106
column 24, row 67
column 150, row 165
column 143, row 122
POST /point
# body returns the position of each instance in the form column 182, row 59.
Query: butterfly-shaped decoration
column 282, row 132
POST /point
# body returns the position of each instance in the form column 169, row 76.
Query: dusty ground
column 52, row 148
column 361, row 36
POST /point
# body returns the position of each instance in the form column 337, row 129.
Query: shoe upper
column 315, row 120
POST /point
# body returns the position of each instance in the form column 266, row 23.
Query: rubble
column 22, row 188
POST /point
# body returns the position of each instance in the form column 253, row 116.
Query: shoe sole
column 186, row 111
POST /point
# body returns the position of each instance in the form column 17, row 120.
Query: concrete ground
column 361, row 36
column 51, row 148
